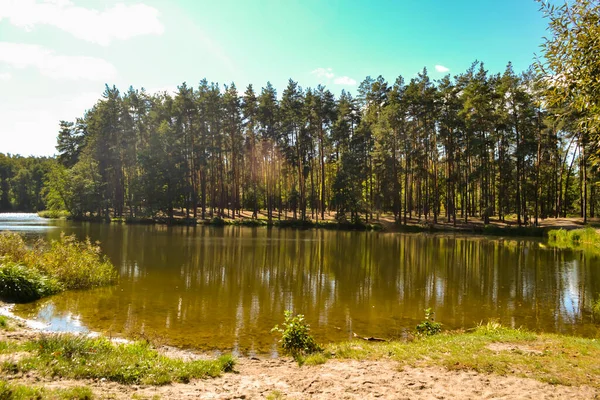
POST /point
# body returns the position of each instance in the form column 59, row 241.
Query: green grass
column 549, row 358
column 11, row 391
column 577, row 239
column 32, row 271
column 80, row 357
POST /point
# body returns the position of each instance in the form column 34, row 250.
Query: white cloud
column 54, row 65
column 22, row 134
column 4, row 76
column 344, row 80
column 441, row 68
column 323, row 73
column 119, row 22
column 328, row 74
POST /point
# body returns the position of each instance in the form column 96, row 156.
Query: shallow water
column 225, row 288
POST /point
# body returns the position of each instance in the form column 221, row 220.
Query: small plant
column 295, row 337
column 429, row 327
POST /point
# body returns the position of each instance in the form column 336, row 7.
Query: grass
column 80, row 357
column 577, row 239
column 54, row 214
column 491, row 348
column 31, row 271
column 11, row 391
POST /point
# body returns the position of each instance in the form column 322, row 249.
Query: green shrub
column 41, row 269
column 295, row 337
column 77, row 265
column 429, row 327
column 20, row 284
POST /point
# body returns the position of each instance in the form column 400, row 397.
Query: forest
column 477, row 145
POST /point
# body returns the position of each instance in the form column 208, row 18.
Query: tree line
column 478, row 145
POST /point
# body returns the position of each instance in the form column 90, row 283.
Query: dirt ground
column 283, row 379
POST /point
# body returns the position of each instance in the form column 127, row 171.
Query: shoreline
column 384, row 224
column 362, row 369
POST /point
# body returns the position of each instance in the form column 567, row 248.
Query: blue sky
column 56, row 55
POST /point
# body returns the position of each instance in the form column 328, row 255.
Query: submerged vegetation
column 29, row 272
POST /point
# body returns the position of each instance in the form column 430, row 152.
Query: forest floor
column 376, row 376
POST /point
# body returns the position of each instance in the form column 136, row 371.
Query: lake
column 224, row 288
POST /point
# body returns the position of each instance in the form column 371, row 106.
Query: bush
column 77, row 265
column 20, row 284
column 429, row 327
column 29, row 273
column 295, row 337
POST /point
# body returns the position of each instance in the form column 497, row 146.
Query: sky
column 57, row 55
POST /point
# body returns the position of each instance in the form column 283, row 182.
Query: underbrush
column 80, row 357
column 29, row 272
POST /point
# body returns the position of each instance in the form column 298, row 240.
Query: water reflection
column 225, row 288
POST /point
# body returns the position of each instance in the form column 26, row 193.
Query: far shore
column 383, row 223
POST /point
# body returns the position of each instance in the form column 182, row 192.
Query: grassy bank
column 80, row 357
column 578, row 239
column 12, row 391
column 32, row 271
column 490, row 348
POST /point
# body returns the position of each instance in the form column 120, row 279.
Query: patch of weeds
column 80, row 357
column 295, row 337
column 429, row 327
column 275, row 395
column 10, row 391
column 316, row 359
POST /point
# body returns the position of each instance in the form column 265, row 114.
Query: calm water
column 225, row 288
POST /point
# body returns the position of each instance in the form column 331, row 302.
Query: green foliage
column 11, row 391
column 295, row 337
column 20, row 284
column 28, row 273
column 54, row 214
column 80, row 357
column 429, row 327
column 587, row 238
